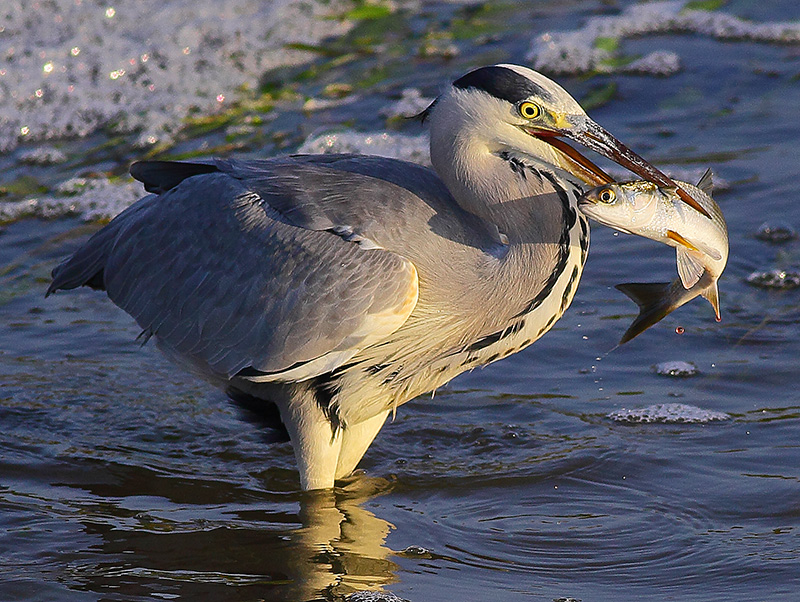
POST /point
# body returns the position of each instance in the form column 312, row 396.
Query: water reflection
column 283, row 546
column 341, row 546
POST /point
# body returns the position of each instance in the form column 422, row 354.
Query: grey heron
column 338, row 287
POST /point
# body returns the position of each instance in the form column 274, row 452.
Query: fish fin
column 706, row 183
column 712, row 294
column 655, row 300
column 672, row 235
column 694, row 245
column 690, row 268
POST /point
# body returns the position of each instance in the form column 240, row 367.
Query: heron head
column 510, row 107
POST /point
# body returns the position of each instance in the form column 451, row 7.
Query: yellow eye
column 607, row 195
column 529, row 110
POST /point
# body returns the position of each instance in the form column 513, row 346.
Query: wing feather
column 224, row 282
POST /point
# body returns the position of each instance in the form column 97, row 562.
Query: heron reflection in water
column 338, row 287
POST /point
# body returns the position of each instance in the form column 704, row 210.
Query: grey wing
column 224, row 281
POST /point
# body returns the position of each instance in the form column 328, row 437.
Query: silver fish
column 701, row 243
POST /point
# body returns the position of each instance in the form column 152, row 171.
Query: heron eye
column 529, row 110
column 607, row 195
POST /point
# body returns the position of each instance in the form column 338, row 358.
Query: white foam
column 91, row 198
column 777, row 279
column 578, row 51
column 667, row 413
column 411, row 103
column 776, row 234
column 660, row 62
column 676, row 368
column 69, row 67
column 384, row 144
column 43, row 155
column 374, row 596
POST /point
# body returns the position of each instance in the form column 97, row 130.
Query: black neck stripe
column 503, row 83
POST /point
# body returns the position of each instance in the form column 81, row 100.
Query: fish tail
column 712, row 294
column 655, row 300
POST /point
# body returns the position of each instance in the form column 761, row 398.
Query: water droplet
column 679, row 330
column 110, row 12
column 25, row 130
column 48, row 68
column 75, row 51
column 220, row 97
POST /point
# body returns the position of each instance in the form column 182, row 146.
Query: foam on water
column 676, row 368
column 777, row 279
column 411, row 103
column 776, row 234
column 43, row 155
column 374, row 596
column 385, row 144
column 667, row 413
column 69, row 67
column 91, row 198
column 593, row 47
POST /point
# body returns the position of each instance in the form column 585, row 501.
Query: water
column 122, row 478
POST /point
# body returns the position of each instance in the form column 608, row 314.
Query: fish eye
column 607, row 195
column 529, row 110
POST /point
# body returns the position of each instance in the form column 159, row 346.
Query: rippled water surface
column 122, row 478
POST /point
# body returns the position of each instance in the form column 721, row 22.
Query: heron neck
column 523, row 201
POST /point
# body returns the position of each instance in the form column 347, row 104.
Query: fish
column 659, row 213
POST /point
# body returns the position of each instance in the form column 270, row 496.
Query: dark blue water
column 122, row 478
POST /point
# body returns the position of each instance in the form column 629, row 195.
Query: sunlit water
column 122, row 478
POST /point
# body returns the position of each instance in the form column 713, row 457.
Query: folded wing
column 225, row 280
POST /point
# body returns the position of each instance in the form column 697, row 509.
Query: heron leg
column 316, row 444
column 356, row 439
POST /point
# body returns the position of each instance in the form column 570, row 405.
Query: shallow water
column 122, row 478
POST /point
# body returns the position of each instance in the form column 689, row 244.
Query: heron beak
column 583, row 130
